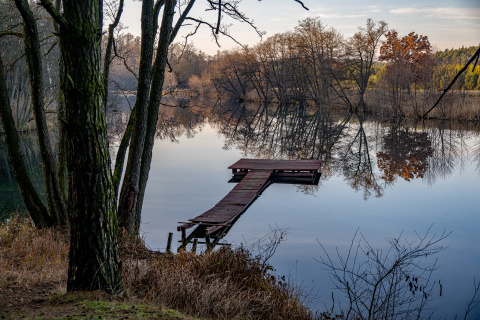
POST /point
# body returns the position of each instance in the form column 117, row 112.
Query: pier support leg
column 169, row 242
column 194, row 245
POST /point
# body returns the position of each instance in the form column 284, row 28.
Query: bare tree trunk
column 108, row 50
column 56, row 202
column 62, row 140
column 122, row 151
column 35, row 207
column 129, row 191
column 155, row 97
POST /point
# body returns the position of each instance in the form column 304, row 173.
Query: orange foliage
column 405, row 155
column 412, row 48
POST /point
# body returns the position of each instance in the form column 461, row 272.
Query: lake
column 438, row 190
column 380, row 180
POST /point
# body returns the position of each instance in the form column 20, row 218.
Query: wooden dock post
column 184, row 234
column 169, row 242
column 194, row 245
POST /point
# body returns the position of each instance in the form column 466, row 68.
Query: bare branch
column 475, row 301
column 223, row 32
column 56, row 14
column 180, row 21
column 219, row 16
column 301, row 3
column 116, row 55
column 385, row 284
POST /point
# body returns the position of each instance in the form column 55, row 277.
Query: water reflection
column 370, row 154
column 404, row 153
column 355, row 161
column 420, row 184
column 10, row 197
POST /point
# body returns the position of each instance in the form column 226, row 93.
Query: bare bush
column 396, row 284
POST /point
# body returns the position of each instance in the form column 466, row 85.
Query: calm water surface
column 380, row 179
column 433, row 184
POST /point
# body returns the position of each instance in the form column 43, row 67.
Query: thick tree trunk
column 35, row 207
column 94, row 257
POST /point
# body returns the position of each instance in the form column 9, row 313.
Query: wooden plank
column 236, row 200
column 265, row 164
column 213, row 229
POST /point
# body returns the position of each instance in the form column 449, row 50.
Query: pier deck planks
column 237, row 199
column 254, row 176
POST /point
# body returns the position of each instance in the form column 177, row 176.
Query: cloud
column 373, row 9
column 334, row 13
column 443, row 13
column 339, row 16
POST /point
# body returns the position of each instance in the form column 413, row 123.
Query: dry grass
column 30, row 257
column 224, row 284
column 455, row 105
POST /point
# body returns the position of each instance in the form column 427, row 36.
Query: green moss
column 84, row 307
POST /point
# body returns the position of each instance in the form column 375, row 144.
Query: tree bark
column 94, row 261
column 62, row 140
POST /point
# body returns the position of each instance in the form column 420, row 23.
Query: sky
column 447, row 23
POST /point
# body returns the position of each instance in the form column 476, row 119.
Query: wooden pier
column 254, row 176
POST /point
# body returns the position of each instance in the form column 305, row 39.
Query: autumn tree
column 409, row 60
column 318, row 46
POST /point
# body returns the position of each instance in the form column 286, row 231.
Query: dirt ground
column 48, row 301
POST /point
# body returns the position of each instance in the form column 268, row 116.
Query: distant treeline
column 375, row 69
column 455, row 56
column 450, row 61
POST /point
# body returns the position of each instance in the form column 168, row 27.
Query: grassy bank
column 224, row 284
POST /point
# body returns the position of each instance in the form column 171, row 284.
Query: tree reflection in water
column 405, row 153
column 370, row 156
column 348, row 144
column 355, row 161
